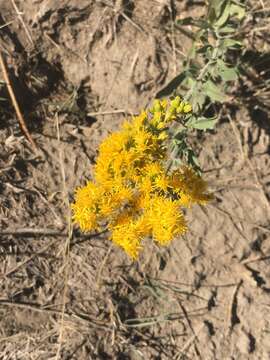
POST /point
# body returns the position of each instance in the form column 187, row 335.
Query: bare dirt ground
column 65, row 295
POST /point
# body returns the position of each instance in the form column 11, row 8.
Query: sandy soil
column 65, row 295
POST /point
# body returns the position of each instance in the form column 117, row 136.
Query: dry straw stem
column 15, row 104
column 103, row 265
column 19, row 14
column 255, row 259
column 6, row 24
column 67, row 314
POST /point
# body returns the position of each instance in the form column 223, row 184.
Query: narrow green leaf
column 193, row 161
column 191, row 21
column 223, row 17
column 188, row 33
column 217, row 6
column 214, row 71
column 184, row 22
column 171, row 86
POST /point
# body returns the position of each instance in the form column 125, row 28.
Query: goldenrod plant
column 135, row 193
column 208, row 71
column 209, row 67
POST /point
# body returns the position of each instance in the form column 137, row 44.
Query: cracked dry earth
column 71, row 296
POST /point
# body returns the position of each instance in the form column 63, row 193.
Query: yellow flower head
column 126, row 234
column 190, row 187
column 166, row 219
column 133, row 192
column 162, row 182
column 85, row 209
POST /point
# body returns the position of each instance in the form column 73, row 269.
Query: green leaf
column 171, row 86
column 238, row 11
column 225, row 14
column 202, row 123
column 225, row 72
column 211, row 15
column 193, row 161
column 213, row 71
column 192, row 51
column 188, row 33
column 217, row 6
column 231, row 43
column 197, row 100
column 204, row 49
column 230, row 74
column 226, row 30
column 214, row 93
column 195, row 22
column 185, row 21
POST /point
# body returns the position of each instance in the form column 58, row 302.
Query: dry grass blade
column 15, row 103
column 7, row 24
column 182, row 352
column 39, row 308
column 111, row 112
column 191, row 328
column 17, row 267
column 153, row 320
column 102, row 266
column 22, row 21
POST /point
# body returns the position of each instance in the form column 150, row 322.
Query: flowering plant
column 135, row 194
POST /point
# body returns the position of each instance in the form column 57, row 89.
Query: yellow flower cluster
column 132, row 193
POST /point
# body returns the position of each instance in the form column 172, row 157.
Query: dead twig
column 15, row 104
column 255, row 259
column 232, row 311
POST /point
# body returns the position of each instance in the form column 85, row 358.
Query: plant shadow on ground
column 255, row 92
